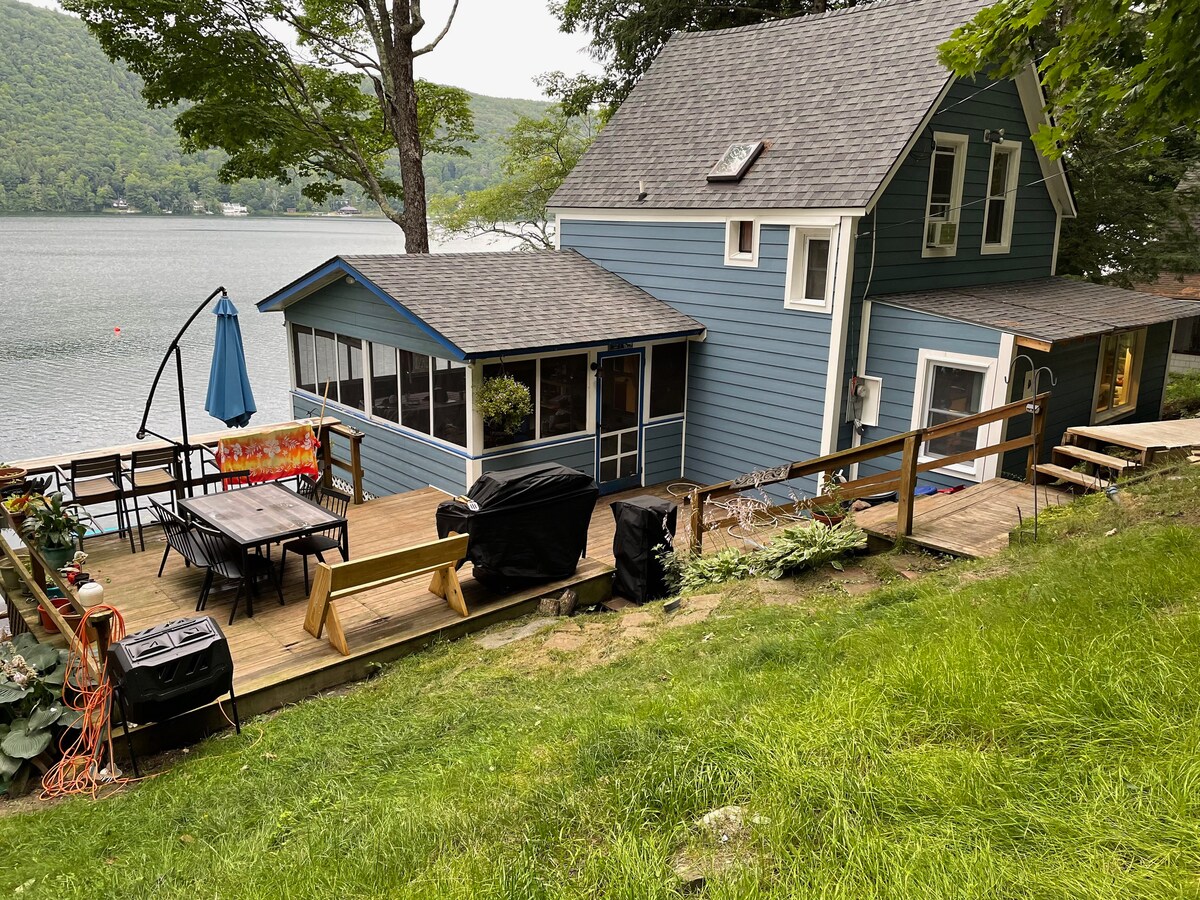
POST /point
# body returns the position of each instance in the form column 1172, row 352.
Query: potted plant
column 504, row 403
column 10, row 474
column 828, row 507
column 54, row 528
column 17, row 506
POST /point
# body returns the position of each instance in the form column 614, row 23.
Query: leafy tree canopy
column 540, row 153
column 280, row 109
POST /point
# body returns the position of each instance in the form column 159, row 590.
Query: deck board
column 1171, row 434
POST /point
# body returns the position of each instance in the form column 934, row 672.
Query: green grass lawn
column 1027, row 727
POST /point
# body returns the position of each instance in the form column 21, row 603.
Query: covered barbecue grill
column 526, row 525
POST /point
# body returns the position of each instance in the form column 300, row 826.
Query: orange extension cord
column 78, row 772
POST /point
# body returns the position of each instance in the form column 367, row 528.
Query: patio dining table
column 254, row 517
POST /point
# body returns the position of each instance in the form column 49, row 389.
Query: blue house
column 791, row 238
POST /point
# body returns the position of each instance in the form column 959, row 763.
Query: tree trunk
column 400, row 113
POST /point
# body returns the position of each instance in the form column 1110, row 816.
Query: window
column 450, row 401
column 327, row 380
column 947, row 168
column 810, row 268
column 949, row 387
column 558, row 386
column 304, row 358
column 414, row 391
column 668, row 378
column 350, row 368
column 1119, row 371
column 741, row 242
column 1000, row 205
column 385, row 384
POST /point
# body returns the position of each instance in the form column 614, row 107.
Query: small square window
column 741, row 242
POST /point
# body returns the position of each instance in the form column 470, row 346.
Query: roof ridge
column 810, row 19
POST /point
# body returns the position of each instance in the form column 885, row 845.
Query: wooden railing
column 902, row 479
column 327, row 428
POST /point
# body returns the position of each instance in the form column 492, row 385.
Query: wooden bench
column 345, row 579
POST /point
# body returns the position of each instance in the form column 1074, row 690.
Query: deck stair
column 1051, row 472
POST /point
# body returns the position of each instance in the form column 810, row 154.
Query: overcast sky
column 495, row 47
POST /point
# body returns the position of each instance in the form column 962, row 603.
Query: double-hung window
column 1000, row 205
column 951, row 387
column 1120, row 370
column 947, row 169
column 811, row 264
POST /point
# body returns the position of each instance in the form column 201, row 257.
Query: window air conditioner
column 941, row 234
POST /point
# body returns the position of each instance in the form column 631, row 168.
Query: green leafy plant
column 503, row 402
column 54, row 524
column 829, row 502
column 31, row 707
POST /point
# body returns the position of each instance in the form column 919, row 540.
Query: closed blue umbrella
column 229, row 396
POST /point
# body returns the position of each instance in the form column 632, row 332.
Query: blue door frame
column 635, row 479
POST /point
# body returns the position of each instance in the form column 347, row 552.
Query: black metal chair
column 321, row 542
column 225, row 560
column 180, row 538
column 99, row 480
column 152, row 472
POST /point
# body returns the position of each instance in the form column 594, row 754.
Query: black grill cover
column 168, row 669
column 527, row 524
column 645, row 527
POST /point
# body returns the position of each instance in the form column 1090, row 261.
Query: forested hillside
column 75, row 134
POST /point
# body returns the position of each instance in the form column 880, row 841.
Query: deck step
column 1095, row 456
column 1061, row 473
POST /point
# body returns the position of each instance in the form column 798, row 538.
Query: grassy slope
column 1019, row 728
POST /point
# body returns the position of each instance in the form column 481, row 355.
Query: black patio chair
column 321, row 542
column 95, row 481
column 178, row 532
column 152, row 472
column 226, row 561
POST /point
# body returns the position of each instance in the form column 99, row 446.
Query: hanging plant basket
column 504, row 403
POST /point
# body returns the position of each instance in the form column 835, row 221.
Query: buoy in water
column 117, row 332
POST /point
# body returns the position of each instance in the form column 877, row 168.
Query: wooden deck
column 1151, row 439
column 276, row 662
column 973, row 522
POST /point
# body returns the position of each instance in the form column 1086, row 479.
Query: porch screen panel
column 450, row 401
column 327, row 374
column 414, row 391
column 350, row 370
column 304, row 358
column 385, row 383
column 668, row 375
column 954, row 393
column 525, row 372
column 562, row 404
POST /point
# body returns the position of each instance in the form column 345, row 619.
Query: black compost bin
column 526, row 525
column 645, row 527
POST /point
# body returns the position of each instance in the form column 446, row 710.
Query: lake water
column 70, row 381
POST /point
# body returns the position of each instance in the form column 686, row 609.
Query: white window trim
column 1139, row 360
column 537, row 440
column 733, row 257
column 960, row 143
column 1010, row 199
column 976, row 469
column 797, row 265
column 649, row 364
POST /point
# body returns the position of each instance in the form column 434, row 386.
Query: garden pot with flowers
column 828, row 507
column 54, row 528
column 17, row 506
column 11, row 474
column 504, row 403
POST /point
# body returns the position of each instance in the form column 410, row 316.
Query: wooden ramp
column 973, row 522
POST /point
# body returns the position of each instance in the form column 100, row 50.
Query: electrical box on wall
column 862, row 405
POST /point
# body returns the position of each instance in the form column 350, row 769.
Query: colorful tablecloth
column 270, row 455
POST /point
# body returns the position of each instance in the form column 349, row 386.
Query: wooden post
column 1037, row 429
column 356, row 470
column 908, row 484
column 696, row 524
column 326, row 456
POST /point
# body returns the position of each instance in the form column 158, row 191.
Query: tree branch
column 437, row 40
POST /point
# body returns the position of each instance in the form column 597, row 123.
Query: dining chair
column 180, row 538
column 98, row 480
column 321, row 542
column 151, row 472
column 225, row 560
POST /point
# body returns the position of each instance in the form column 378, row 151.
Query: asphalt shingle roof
column 836, row 96
column 1047, row 309
column 488, row 304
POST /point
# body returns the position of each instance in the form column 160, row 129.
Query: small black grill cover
column 645, row 527
column 528, row 524
column 171, row 668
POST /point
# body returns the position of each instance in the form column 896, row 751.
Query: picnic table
column 254, row 517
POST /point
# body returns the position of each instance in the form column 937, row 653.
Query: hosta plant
column 32, row 713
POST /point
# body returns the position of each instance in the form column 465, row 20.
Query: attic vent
column 736, row 161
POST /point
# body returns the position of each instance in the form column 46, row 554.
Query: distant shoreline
column 113, row 214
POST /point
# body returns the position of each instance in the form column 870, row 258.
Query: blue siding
column 756, row 386
column 580, row 455
column 662, row 451
column 394, row 462
column 895, row 339
column 352, row 310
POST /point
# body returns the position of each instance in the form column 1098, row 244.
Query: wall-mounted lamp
column 349, row 279
column 993, row 135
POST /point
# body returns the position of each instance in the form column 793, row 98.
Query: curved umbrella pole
column 185, row 445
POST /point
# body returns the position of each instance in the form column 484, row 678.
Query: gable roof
column 481, row 305
column 836, row 96
column 1047, row 309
